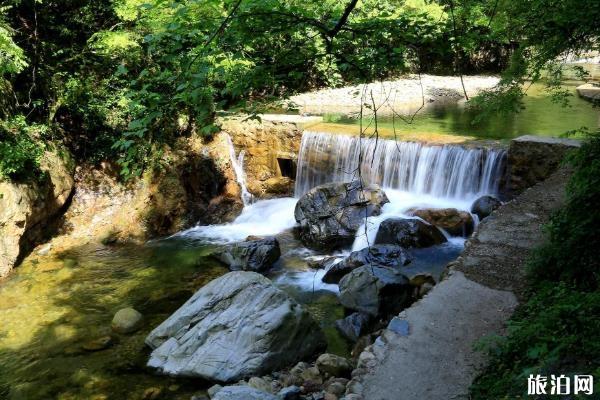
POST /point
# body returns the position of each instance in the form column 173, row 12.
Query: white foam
column 307, row 281
column 400, row 203
column 263, row 218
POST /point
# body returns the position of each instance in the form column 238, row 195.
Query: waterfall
column 238, row 167
column 443, row 171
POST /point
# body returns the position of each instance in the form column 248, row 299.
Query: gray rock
column 353, row 396
column 484, row 206
column 260, row 384
column 289, row 393
column 354, row 325
column 239, row 325
column 126, row 320
column 252, row 255
column 385, row 255
column 312, row 374
column 408, row 233
column 212, row 391
column 336, row 388
column 399, row 326
column 329, row 215
column 334, row 365
column 317, row 396
column 375, row 290
column 242, row 393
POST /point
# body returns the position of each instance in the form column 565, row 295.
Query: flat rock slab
column 436, row 360
column 589, row 91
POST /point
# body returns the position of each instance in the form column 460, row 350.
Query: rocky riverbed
column 404, row 96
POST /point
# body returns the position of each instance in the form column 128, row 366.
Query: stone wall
column 532, row 159
column 271, row 148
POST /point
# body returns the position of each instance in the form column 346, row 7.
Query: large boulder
column 354, row 325
column 408, row 233
column 453, row 221
column 329, row 215
column 589, row 91
column 239, row 325
column 375, row 290
column 252, row 255
column 484, row 206
column 29, row 210
column 381, row 254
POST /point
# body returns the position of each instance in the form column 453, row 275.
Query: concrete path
column 427, row 353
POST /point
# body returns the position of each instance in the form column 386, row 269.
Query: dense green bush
column 557, row 331
column 571, row 255
column 20, row 151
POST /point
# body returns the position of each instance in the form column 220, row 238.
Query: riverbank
column 403, row 96
column 475, row 300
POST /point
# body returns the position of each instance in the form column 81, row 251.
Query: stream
column 55, row 309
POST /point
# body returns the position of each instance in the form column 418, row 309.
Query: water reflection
column 540, row 116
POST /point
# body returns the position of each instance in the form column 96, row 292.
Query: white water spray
column 238, row 167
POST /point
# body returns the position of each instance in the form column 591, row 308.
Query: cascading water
column 413, row 175
column 444, row 171
column 238, row 167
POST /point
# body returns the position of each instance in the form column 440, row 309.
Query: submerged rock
column 453, row 221
column 354, row 325
column 252, row 255
column 239, row 325
column 408, row 233
column 484, row 206
column 329, row 215
column 98, row 344
column 242, row 393
column 375, row 290
column 126, row 320
column 385, row 255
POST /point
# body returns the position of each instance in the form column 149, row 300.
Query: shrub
column 20, row 150
column 557, row 330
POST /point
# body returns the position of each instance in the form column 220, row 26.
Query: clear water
column 50, row 307
column 540, row 117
